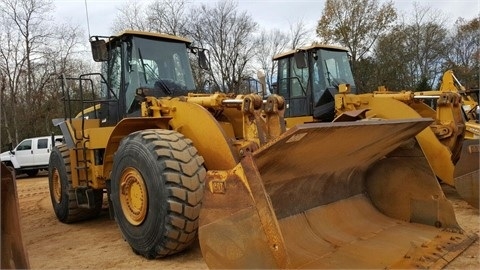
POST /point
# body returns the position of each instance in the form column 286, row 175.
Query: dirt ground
column 98, row 243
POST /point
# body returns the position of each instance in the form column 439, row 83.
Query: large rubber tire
column 157, row 188
column 62, row 192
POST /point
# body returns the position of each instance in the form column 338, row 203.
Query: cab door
column 293, row 86
column 24, row 153
column 41, row 151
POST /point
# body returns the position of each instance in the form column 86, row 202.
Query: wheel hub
column 57, row 186
column 133, row 196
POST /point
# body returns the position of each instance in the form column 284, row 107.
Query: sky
column 267, row 13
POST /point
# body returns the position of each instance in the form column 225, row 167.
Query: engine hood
column 5, row 156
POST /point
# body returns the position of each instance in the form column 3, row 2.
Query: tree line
column 386, row 49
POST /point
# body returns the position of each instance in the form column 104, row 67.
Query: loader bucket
column 467, row 173
column 14, row 254
column 331, row 195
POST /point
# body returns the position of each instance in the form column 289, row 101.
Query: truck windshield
column 158, row 64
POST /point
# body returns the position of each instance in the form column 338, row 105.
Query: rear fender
column 207, row 135
column 125, row 127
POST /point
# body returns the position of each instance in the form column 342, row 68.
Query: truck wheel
column 156, row 191
column 62, row 193
column 32, row 172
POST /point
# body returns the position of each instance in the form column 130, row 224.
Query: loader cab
column 308, row 79
column 138, row 60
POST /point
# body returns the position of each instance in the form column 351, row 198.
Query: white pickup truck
column 31, row 155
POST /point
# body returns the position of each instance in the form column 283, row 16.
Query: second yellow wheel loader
column 318, row 86
column 176, row 165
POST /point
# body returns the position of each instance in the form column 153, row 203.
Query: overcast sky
column 267, row 13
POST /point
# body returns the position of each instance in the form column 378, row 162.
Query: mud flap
column 303, row 201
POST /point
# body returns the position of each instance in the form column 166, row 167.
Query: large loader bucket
column 331, row 195
column 14, row 254
column 467, row 173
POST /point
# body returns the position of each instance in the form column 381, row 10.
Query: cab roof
column 151, row 35
column 308, row 48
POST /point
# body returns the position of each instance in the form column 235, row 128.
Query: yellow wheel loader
column 177, row 165
column 318, row 86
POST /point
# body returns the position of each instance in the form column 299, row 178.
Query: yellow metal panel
column 234, row 116
column 78, row 125
column 197, row 124
column 98, row 137
column 293, row 121
column 228, row 128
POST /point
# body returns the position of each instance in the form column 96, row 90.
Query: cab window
column 25, row 145
column 299, row 81
column 283, row 78
column 42, row 144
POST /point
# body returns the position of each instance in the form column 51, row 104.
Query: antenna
column 88, row 22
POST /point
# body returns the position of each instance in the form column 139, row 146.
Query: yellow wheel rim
column 57, row 186
column 133, row 196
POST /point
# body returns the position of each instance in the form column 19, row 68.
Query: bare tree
column 413, row 54
column 355, row 24
column 67, row 55
column 29, row 30
column 131, row 16
column 298, row 34
column 162, row 16
column 13, row 64
column 464, row 51
column 228, row 35
column 393, row 60
column 270, row 43
column 426, row 43
column 168, row 16
column 32, row 50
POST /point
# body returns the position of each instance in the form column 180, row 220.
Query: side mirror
column 10, row 148
column 202, row 60
column 99, row 50
column 300, row 61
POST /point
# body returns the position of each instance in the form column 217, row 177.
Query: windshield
column 157, row 64
column 333, row 67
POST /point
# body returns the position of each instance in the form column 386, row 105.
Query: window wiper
column 329, row 79
column 143, row 65
column 163, row 85
column 332, row 82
